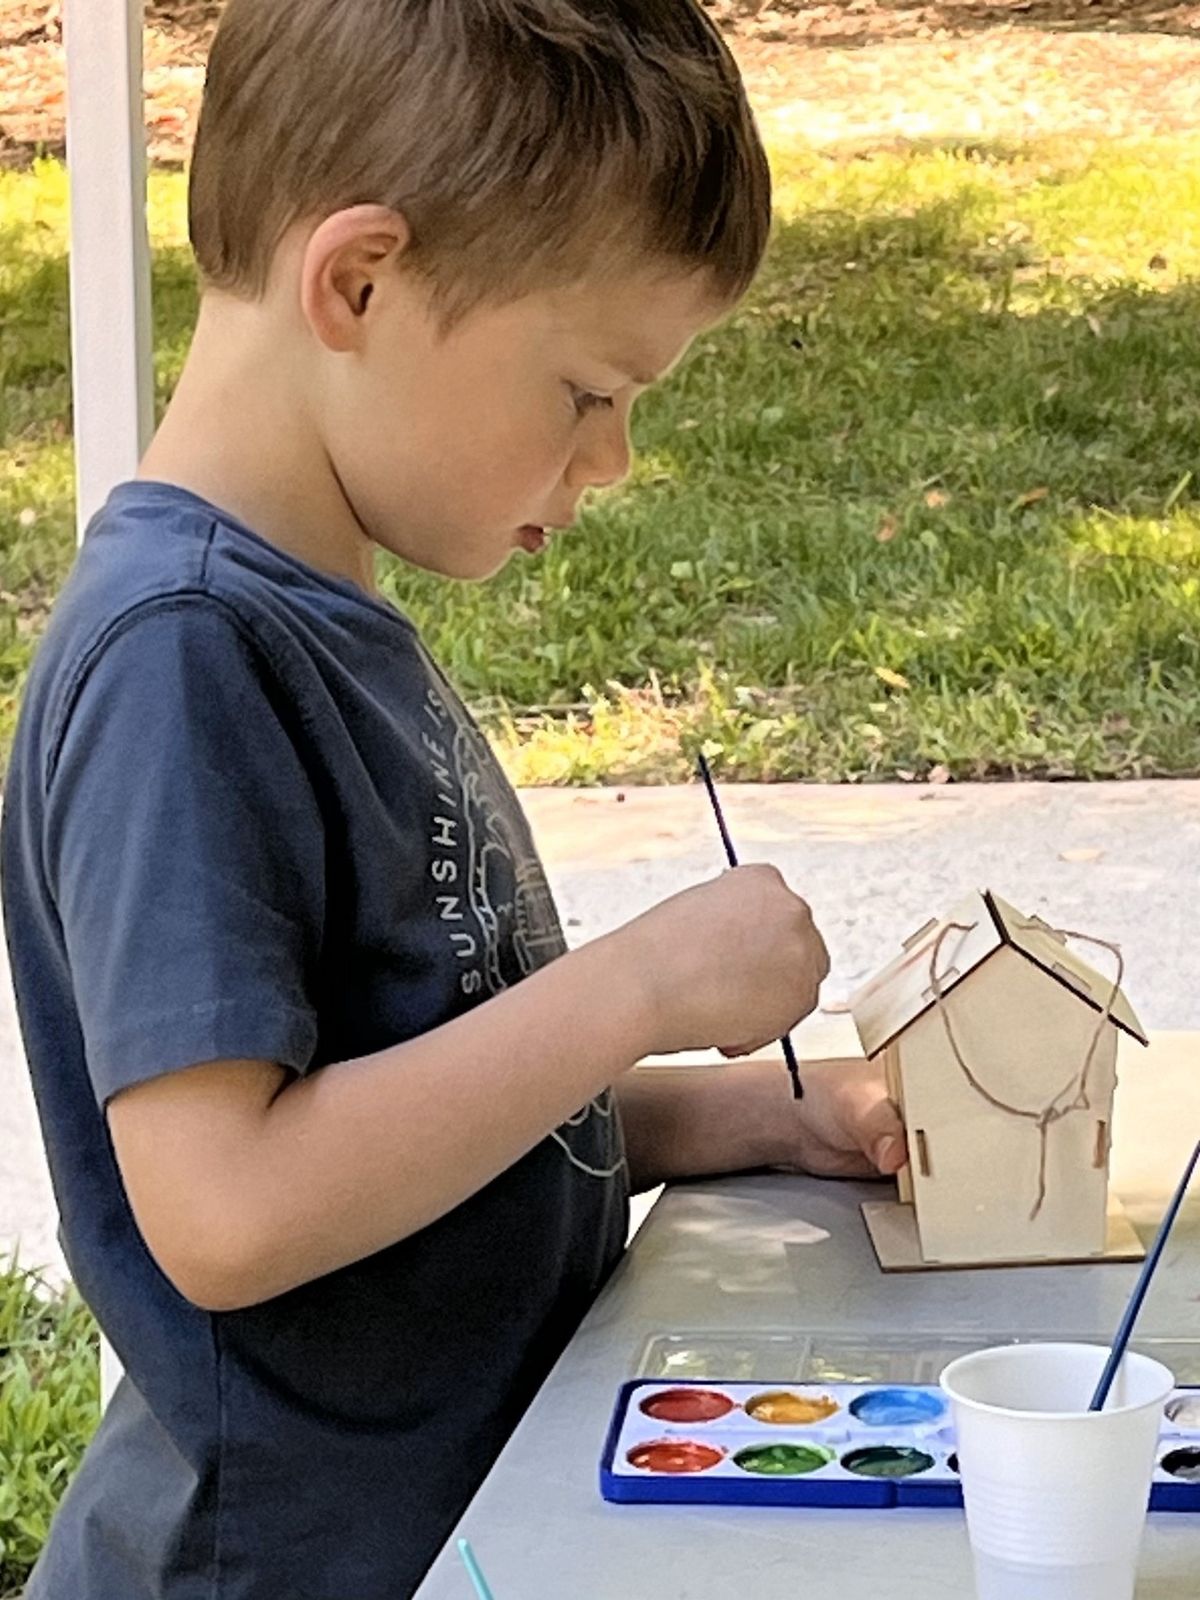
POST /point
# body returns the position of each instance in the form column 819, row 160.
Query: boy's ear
column 344, row 261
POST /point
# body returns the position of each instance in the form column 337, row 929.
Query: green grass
column 929, row 499
column 49, row 1406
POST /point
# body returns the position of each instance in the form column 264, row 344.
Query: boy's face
column 455, row 449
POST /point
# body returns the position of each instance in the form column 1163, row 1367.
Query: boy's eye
column 584, row 400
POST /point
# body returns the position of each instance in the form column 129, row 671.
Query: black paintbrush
column 789, row 1054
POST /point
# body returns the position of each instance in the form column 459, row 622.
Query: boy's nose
column 602, row 459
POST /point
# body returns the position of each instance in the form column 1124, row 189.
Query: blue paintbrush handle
column 473, row 1572
column 789, row 1054
column 1125, row 1331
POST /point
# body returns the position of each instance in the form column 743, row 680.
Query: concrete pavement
column 1118, row 860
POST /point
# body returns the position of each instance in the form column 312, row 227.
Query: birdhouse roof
column 890, row 1002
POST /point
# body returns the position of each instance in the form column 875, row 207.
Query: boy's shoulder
column 155, row 544
column 161, row 570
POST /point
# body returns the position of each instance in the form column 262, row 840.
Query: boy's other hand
column 845, row 1127
column 730, row 964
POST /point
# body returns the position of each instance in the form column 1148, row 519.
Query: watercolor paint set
column 702, row 1442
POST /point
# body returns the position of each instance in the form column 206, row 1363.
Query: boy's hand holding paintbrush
column 754, row 977
column 730, row 964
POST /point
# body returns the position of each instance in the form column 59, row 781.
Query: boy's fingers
column 733, row 1052
column 889, row 1155
column 880, row 1134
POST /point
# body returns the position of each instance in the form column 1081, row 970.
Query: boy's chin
column 467, row 562
column 487, row 558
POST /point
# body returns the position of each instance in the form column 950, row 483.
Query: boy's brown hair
column 525, row 141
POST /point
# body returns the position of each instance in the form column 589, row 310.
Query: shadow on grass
column 35, row 320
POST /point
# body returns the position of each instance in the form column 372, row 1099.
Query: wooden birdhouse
column 1000, row 1048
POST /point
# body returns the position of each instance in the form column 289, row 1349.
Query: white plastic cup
column 1055, row 1494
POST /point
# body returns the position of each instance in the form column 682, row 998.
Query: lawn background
column 927, row 503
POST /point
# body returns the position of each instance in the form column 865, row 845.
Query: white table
column 748, row 1254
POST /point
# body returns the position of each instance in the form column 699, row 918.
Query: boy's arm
column 246, row 1183
column 689, row 1122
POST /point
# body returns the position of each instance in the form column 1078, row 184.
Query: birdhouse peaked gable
column 889, row 1003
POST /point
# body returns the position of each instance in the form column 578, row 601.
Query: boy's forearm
column 350, row 1160
column 690, row 1122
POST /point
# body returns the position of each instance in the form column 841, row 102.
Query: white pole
column 112, row 370
column 111, row 355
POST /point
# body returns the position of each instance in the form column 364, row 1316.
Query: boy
column 308, row 1050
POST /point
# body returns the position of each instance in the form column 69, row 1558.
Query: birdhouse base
column 892, row 1226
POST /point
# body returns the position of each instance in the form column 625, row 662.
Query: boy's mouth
column 532, row 538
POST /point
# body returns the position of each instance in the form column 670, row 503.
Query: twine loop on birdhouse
column 1073, row 1096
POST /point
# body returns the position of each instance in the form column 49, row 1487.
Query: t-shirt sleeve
column 185, row 851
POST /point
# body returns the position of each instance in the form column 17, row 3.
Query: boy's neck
column 238, row 433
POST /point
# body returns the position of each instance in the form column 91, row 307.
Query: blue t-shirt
column 247, row 817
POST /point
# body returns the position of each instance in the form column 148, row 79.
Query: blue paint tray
column 707, row 1442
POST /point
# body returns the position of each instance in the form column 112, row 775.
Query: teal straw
column 473, row 1572
column 1125, row 1331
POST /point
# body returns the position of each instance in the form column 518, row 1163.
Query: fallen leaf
column 938, row 774
column 935, row 499
column 1030, row 497
column 905, row 775
column 887, row 530
column 1094, row 324
column 1086, row 854
column 894, row 680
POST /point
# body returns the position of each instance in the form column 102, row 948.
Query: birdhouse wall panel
column 975, row 1166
